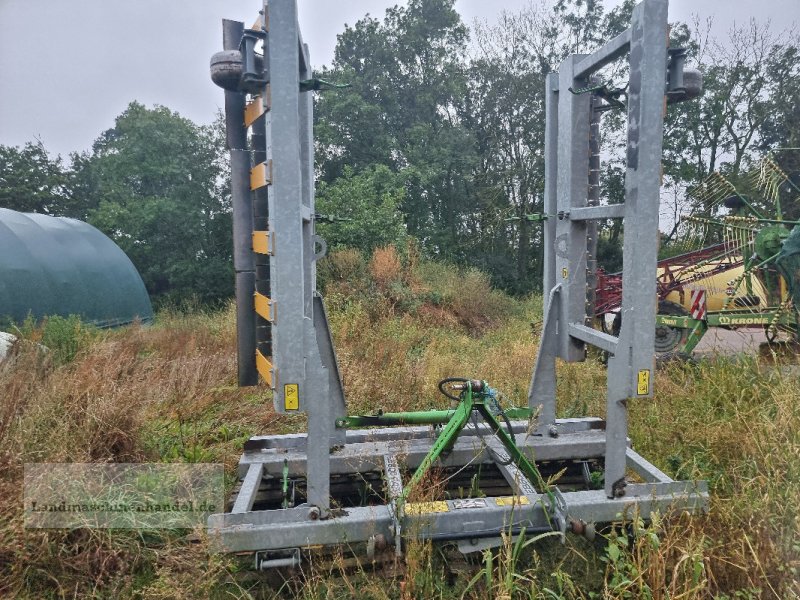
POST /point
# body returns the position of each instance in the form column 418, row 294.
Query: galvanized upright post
column 305, row 376
column 243, row 261
column 631, row 366
column 593, row 200
column 287, row 263
column 542, row 390
column 550, row 188
column 576, row 165
column 573, row 191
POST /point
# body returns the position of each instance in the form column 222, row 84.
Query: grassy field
column 167, row 393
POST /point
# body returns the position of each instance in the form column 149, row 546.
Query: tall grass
column 167, row 392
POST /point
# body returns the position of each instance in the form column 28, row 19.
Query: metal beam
column 448, row 519
column 605, row 55
column 367, row 456
column 550, row 187
column 572, row 192
column 607, row 211
column 520, row 484
column 542, row 389
column 285, row 200
column 594, row 337
column 646, row 470
column 249, row 489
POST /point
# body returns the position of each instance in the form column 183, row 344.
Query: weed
column 62, row 337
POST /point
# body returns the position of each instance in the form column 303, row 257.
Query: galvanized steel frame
column 303, row 350
column 567, row 193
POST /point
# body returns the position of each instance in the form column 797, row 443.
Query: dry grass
column 168, row 392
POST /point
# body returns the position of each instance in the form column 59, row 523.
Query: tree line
column 439, row 138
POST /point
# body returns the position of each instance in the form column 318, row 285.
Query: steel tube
column 424, row 417
column 243, row 261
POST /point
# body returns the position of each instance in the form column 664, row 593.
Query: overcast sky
column 68, row 67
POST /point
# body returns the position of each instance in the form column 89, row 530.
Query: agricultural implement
column 742, row 281
column 480, row 470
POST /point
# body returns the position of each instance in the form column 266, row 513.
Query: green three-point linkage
column 444, row 442
column 470, row 401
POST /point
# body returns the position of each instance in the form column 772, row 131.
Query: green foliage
column 503, row 572
column 155, row 184
column 62, row 337
column 364, row 209
column 156, row 189
column 30, row 181
column 402, row 111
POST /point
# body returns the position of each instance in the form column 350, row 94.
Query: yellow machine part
column 715, row 286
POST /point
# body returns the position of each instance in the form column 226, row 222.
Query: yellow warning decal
column 564, row 273
column 511, row 500
column 643, row 382
column 422, row 508
column 291, row 396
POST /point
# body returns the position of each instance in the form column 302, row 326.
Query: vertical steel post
column 243, row 261
column 304, row 362
column 575, row 169
column 320, row 415
column 542, row 389
column 631, row 367
column 306, row 116
column 550, row 179
column 287, row 264
column 592, row 228
column 573, row 191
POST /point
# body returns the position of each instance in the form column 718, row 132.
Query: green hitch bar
column 423, row 417
column 444, row 443
column 381, row 419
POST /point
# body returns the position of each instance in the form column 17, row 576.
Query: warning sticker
column 643, row 382
column 422, row 508
column 564, row 273
column 291, row 396
column 469, row 503
column 511, row 500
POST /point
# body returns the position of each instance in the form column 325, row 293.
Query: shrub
column 385, row 267
column 63, row 337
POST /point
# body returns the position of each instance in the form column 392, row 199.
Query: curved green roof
column 60, row 266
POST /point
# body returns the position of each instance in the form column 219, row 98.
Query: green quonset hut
column 60, row 266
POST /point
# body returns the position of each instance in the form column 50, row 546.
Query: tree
column 506, row 108
column 364, row 209
column 30, row 181
column 157, row 190
column 780, row 132
column 402, row 111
